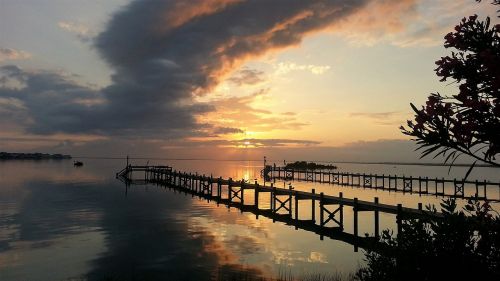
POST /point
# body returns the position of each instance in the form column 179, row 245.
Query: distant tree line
column 304, row 165
column 32, row 156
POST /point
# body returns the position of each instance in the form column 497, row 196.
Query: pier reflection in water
column 58, row 222
column 232, row 193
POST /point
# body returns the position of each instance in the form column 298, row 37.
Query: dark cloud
column 57, row 104
column 52, row 100
column 163, row 54
column 247, row 76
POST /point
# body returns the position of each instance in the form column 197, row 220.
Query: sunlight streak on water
column 59, row 222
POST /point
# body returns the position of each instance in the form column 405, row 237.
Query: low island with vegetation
column 32, row 156
column 304, row 165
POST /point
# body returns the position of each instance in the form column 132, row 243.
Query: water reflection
column 59, row 222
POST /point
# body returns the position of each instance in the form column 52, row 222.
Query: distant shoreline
column 32, row 156
column 281, row 161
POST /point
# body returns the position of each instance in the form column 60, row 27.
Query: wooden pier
column 417, row 185
column 284, row 202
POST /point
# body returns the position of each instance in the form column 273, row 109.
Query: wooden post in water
column 219, row 187
column 313, row 208
column 296, row 206
column 273, row 196
column 341, row 211
column 321, row 214
column 355, row 210
column 399, row 221
column 484, row 188
column 443, row 188
column 264, row 171
column 256, row 196
column 230, row 189
column 211, row 185
column 477, row 188
column 419, row 185
column 242, row 193
column 426, row 184
column 376, row 220
column 436, row 184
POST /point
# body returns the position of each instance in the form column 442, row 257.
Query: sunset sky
column 220, row 77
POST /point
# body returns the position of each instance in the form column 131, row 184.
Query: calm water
column 58, row 222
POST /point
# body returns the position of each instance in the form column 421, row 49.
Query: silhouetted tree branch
column 468, row 122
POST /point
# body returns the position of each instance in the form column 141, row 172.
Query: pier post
column 426, row 184
column 256, row 196
column 313, row 207
column 484, row 188
column 321, row 215
column 376, row 219
column 443, row 187
column 355, row 210
column 399, row 221
column 341, row 211
column 296, row 206
column 242, row 192
column 219, row 187
column 273, row 197
column 230, row 189
column 211, row 185
column 436, row 184
column 419, row 185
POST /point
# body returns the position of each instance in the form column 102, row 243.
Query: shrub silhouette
column 463, row 245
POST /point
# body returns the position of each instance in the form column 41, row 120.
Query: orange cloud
column 377, row 20
column 241, row 112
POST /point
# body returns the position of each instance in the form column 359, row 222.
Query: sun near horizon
column 161, row 78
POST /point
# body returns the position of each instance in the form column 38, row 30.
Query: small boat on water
column 78, row 163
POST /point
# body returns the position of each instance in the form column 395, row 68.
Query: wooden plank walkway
column 418, row 185
column 284, row 202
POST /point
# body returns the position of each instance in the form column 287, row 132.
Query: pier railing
column 284, row 202
column 460, row 188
